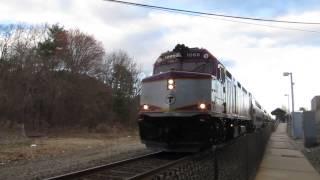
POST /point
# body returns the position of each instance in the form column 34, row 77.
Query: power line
column 228, row 20
column 265, row 25
column 250, row 23
column 210, row 14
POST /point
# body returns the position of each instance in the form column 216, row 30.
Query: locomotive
column 192, row 101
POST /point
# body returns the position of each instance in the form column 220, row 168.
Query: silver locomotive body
column 173, row 104
column 174, row 92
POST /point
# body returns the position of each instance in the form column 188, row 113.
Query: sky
column 256, row 56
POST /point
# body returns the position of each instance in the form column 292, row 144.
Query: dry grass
column 15, row 147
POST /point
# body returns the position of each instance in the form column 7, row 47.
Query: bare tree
column 83, row 52
column 50, row 75
column 122, row 73
column 19, row 62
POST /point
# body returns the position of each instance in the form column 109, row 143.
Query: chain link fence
column 236, row 160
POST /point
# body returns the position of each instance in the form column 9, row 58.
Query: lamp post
column 291, row 84
column 287, row 95
column 290, row 120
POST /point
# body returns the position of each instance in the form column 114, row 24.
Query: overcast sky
column 256, row 55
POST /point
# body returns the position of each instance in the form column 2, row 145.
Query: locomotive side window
column 239, row 85
column 229, row 74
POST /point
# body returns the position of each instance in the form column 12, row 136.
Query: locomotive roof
column 184, row 53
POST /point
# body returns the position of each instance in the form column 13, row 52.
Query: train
column 191, row 102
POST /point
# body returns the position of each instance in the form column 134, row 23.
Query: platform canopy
column 278, row 111
column 280, row 114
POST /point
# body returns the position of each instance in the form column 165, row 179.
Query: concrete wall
column 315, row 106
column 289, row 125
column 296, row 127
column 317, row 124
column 315, row 103
column 310, row 128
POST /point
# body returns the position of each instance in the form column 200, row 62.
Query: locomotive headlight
column 145, row 107
column 202, row 106
column 170, row 81
column 171, row 84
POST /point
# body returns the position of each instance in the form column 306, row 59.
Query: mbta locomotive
column 192, row 101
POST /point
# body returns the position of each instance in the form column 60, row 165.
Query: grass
column 14, row 147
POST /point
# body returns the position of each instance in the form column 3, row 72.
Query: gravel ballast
column 70, row 159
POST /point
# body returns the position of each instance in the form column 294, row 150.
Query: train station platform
column 283, row 161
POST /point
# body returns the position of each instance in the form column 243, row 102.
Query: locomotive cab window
column 180, row 65
column 166, row 67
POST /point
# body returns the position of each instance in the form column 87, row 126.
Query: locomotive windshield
column 202, row 67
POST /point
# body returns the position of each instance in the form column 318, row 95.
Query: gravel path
column 47, row 166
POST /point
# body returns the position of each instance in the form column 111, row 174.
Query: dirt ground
column 312, row 154
column 34, row 148
column 34, row 158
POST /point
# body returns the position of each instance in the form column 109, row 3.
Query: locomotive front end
column 176, row 101
column 174, row 110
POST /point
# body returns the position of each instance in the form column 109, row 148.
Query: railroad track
column 134, row 168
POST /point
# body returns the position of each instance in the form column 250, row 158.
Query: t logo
column 171, row 99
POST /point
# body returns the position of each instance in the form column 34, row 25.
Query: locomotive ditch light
column 202, row 106
column 171, row 84
column 145, row 107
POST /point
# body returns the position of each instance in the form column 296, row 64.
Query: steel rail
column 158, row 169
column 144, row 174
column 97, row 170
column 100, row 167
